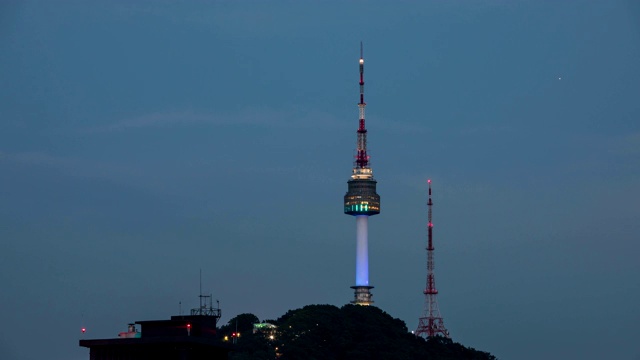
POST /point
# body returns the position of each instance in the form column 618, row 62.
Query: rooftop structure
column 183, row 337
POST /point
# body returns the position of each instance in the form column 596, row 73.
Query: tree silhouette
column 348, row 333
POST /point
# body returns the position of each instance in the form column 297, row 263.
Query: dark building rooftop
column 183, row 337
column 157, row 348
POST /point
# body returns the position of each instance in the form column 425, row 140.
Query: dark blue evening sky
column 143, row 141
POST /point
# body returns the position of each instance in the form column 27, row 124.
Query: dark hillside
column 351, row 333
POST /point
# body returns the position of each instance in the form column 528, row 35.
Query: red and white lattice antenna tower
column 431, row 323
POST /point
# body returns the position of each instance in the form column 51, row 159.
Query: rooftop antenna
column 206, row 304
column 200, row 296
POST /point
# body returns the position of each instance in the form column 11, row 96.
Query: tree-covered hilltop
column 327, row 332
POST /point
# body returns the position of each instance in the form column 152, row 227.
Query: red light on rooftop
column 83, row 330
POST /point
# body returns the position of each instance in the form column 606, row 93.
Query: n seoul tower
column 362, row 201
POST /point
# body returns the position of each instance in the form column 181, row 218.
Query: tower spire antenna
column 431, row 323
column 362, row 201
column 362, row 158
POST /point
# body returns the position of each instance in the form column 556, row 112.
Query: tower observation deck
column 362, row 201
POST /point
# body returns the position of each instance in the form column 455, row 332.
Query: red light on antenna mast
column 429, row 181
column 83, row 330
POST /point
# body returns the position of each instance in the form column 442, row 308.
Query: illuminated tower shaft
column 431, row 323
column 362, row 201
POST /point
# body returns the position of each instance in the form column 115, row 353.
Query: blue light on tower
column 362, row 201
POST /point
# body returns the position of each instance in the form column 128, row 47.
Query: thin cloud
column 159, row 119
column 249, row 117
column 36, row 158
column 627, row 145
column 402, row 127
column 291, row 119
column 74, row 166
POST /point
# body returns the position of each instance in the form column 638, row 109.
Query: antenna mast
column 206, row 305
column 200, row 295
column 362, row 159
column 431, row 323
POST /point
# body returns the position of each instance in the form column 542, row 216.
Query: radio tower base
column 430, row 327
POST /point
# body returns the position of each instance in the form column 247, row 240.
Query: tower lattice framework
column 431, row 323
